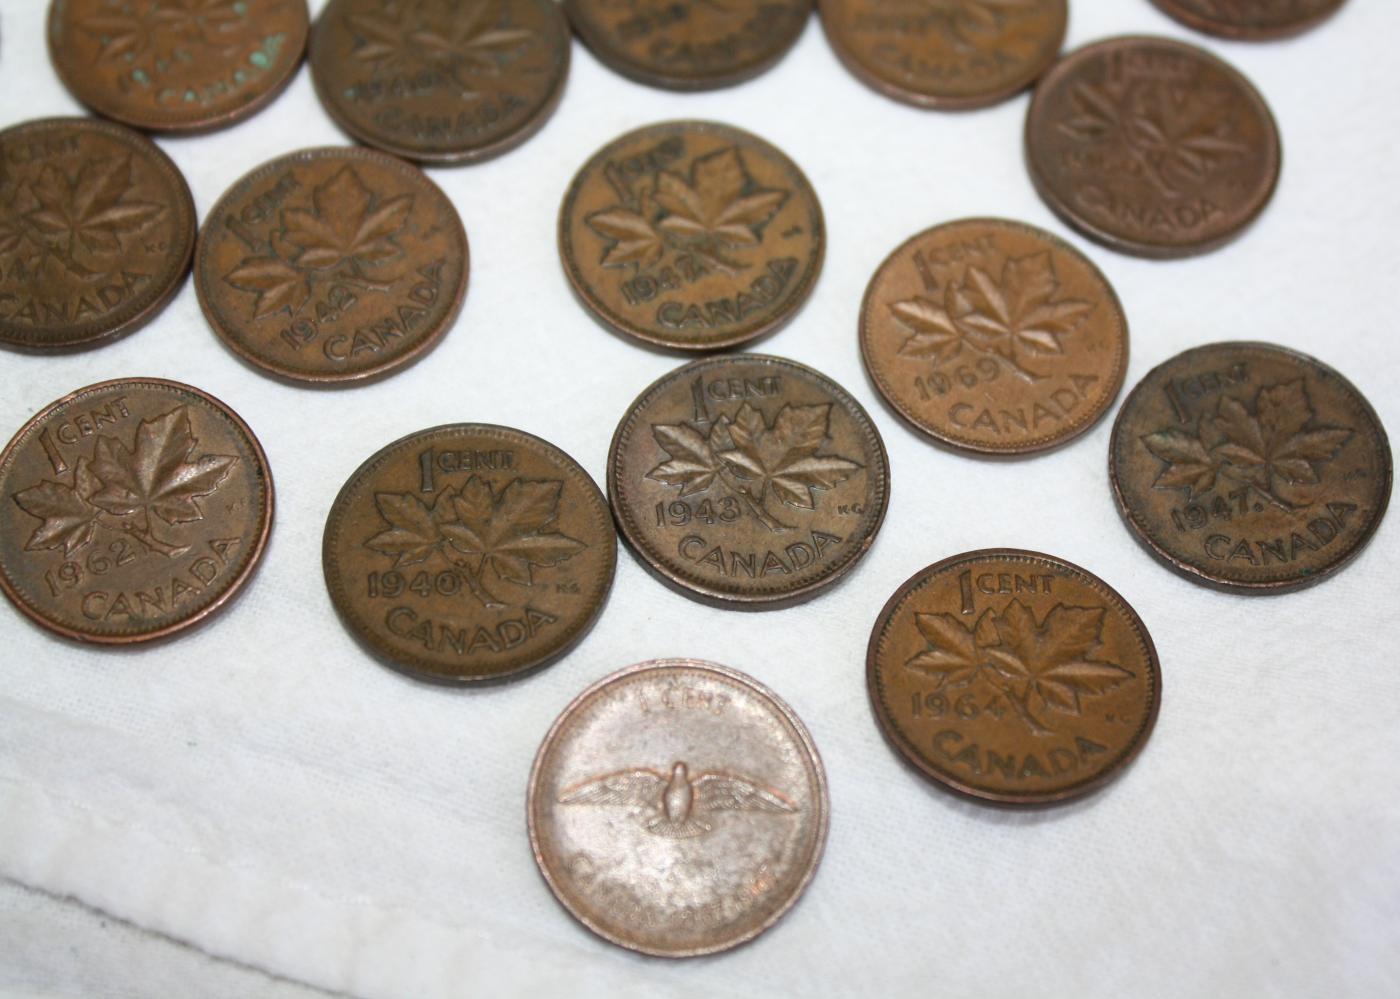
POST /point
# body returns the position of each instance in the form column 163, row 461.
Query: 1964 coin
column 1250, row 467
column 1251, row 20
column 1152, row 147
column 1013, row 677
column 469, row 552
column 333, row 265
column 748, row 481
column 677, row 808
column 994, row 337
column 441, row 81
column 692, row 235
column 135, row 509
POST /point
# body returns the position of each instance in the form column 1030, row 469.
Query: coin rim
column 1244, row 33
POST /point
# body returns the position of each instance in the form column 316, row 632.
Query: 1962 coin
column 1013, row 677
column 1250, row 467
column 677, row 808
column 134, row 510
column 994, row 337
column 1251, row 20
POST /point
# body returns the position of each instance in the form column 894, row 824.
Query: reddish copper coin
column 96, row 231
column 177, row 65
column 1250, row 467
column 994, row 337
column 1152, row 147
column 441, row 81
column 677, row 808
column 332, row 266
column 135, row 509
column 1013, row 677
column 1250, row 20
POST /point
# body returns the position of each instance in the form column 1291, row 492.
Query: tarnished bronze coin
column 689, row 44
column 441, row 81
column 96, row 231
column 1152, row 147
column 677, row 808
column 748, row 481
column 177, row 65
column 1013, row 677
column 134, row 510
column 952, row 54
column 469, row 553
column 994, row 337
column 1250, row 467
column 1250, row 20
column 332, row 265
column 692, row 235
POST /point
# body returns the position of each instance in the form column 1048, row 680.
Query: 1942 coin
column 1251, row 20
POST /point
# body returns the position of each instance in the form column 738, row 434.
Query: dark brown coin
column 177, row 65
column 96, row 230
column 135, row 509
column 441, row 81
column 1250, row 467
column 1013, row 677
column 953, row 54
column 1251, row 20
column 677, row 808
column 332, row 266
column 1152, row 147
column 692, row 235
column 994, row 337
column 469, row 553
column 689, row 44
column 748, row 481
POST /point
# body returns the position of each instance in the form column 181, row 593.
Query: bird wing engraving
column 626, row 787
column 723, row 792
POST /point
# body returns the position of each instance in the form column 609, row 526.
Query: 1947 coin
column 1250, row 467
column 1152, row 147
column 332, row 266
column 692, row 235
column 135, row 509
column 677, row 808
column 469, row 553
column 1251, row 20
column 1013, row 677
column 994, row 337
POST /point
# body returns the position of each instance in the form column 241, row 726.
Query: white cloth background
column 262, row 792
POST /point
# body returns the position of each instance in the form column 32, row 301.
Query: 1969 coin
column 1251, row 20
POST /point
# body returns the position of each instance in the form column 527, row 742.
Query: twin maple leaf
column 125, row 32
column 436, row 32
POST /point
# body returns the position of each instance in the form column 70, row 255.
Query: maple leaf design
column 692, row 463
column 277, row 284
column 1190, row 465
column 347, row 223
column 93, row 211
column 68, row 515
column 11, row 232
column 511, row 533
column 415, row 529
column 121, row 33
column 437, row 34
column 784, row 457
column 633, row 239
column 955, row 655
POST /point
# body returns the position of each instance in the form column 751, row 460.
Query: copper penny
column 1250, row 467
column 136, row 509
column 441, row 81
column 951, row 54
column 96, row 231
column 177, row 65
column 692, row 235
column 1250, row 20
column 689, row 44
column 748, row 481
column 1152, row 147
column 332, row 265
column 469, row 552
column 1013, row 677
column 994, row 337
column 677, row 808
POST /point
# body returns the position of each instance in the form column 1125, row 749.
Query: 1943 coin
column 1251, row 20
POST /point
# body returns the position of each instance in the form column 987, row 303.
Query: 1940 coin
column 1013, row 677
column 1251, row 20
column 677, row 808
column 1250, row 467
column 135, row 509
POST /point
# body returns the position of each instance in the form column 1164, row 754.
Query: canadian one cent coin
column 677, row 808
column 1152, row 147
column 748, row 481
column 332, row 265
column 692, row 235
column 441, row 81
column 689, row 44
column 1250, row 467
column 96, row 231
column 469, row 552
column 1250, row 20
column 994, row 337
column 177, row 65
column 134, row 510
column 952, row 54
column 1013, row 677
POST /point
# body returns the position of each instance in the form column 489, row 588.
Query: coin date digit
column 679, row 513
